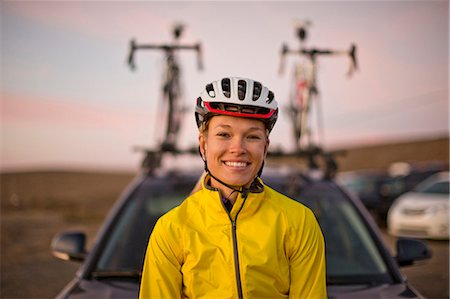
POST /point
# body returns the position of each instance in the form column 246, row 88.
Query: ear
column 202, row 144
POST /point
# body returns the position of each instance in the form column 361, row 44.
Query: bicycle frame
column 171, row 93
column 305, row 93
column 304, row 90
column 302, row 94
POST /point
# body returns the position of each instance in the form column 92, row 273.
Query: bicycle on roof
column 304, row 91
column 171, row 92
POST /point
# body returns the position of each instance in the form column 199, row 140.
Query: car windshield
column 436, row 188
column 125, row 248
column 351, row 253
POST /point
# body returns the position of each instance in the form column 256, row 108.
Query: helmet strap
column 260, row 170
column 244, row 191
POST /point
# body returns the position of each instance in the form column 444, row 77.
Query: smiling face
column 235, row 149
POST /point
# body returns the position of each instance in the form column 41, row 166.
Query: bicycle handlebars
column 168, row 49
column 313, row 53
column 131, row 54
column 354, row 65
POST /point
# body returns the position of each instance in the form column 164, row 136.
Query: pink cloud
column 96, row 19
column 29, row 110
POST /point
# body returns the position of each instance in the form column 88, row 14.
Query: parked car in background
column 403, row 177
column 423, row 212
column 365, row 184
column 359, row 264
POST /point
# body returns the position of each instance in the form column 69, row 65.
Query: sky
column 69, row 100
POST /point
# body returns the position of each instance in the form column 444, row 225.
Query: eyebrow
column 225, row 126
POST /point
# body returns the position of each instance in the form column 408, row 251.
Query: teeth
column 236, row 164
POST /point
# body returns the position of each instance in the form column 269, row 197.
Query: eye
column 254, row 137
column 223, row 134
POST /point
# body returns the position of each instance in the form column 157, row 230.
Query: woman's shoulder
column 279, row 197
column 300, row 217
column 180, row 213
column 285, row 203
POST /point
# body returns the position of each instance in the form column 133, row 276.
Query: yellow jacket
column 268, row 246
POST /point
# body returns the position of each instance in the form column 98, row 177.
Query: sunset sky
column 69, row 99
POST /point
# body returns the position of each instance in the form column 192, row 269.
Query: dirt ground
column 28, row 268
column 37, row 206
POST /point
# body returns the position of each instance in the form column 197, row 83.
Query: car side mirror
column 69, row 246
column 410, row 251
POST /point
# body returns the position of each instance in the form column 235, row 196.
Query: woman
column 235, row 237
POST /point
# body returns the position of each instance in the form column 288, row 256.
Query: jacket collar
column 242, row 206
column 257, row 185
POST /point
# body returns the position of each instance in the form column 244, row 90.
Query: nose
column 237, row 145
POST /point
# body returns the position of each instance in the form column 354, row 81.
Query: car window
column 352, row 254
column 360, row 184
column 126, row 245
column 437, row 188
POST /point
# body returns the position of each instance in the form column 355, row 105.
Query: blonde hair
column 203, row 129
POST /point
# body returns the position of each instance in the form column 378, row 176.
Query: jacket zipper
column 235, row 250
column 236, row 260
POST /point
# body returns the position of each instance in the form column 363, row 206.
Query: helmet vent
column 200, row 103
column 210, row 90
column 242, row 88
column 239, row 108
column 270, row 97
column 226, row 87
column 257, row 87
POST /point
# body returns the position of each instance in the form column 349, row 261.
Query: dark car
column 359, row 264
column 365, row 184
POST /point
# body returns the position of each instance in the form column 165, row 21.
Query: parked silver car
column 423, row 212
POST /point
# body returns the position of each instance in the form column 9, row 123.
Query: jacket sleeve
column 161, row 275
column 307, row 263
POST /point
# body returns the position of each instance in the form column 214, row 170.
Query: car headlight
column 439, row 208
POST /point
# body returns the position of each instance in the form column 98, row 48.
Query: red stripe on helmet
column 239, row 114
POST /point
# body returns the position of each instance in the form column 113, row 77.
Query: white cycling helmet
column 239, row 97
